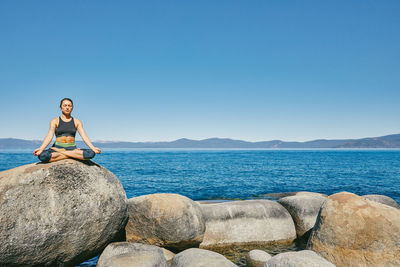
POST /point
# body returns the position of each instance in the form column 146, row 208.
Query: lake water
column 244, row 174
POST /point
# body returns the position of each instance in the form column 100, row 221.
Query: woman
column 65, row 128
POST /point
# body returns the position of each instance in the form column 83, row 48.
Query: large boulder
column 120, row 254
column 257, row 258
column 303, row 258
column 383, row 199
column 167, row 220
column 304, row 210
column 59, row 214
column 196, row 257
column 245, row 223
column 353, row 231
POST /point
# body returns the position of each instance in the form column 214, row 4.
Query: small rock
column 169, row 255
column 247, row 222
column 257, row 258
column 303, row 258
column 196, row 257
column 354, row 231
column 304, row 210
column 383, row 199
column 166, row 220
column 121, row 254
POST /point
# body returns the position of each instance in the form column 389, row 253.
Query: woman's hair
column 69, row 99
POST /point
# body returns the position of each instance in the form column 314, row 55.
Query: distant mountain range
column 388, row 141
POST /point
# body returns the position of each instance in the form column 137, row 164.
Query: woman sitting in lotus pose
column 65, row 128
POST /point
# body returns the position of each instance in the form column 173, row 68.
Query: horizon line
column 184, row 138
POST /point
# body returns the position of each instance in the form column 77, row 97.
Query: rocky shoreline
column 63, row 213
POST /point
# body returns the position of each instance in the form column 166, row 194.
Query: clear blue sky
column 163, row 70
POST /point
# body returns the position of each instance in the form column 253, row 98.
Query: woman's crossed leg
column 56, row 154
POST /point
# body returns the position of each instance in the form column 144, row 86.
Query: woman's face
column 66, row 107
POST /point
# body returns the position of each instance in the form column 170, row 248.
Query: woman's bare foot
column 56, row 156
column 76, row 153
column 59, row 150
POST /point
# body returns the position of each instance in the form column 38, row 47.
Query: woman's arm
column 47, row 139
column 85, row 138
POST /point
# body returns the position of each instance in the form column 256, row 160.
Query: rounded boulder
column 167, row 220
column 196, row 257
column 257, row 258
column 354, row 231
column 383, row 199
column 247, row 222
column 121, row 254
column 304, row 210
column 59, row 213
column 303, row 258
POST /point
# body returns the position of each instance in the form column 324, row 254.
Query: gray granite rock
column 167, row 220
column 304, row 258
column 257, row 258
column 121, row 254
column 303, row 193
column 142, row 259
column 383, row 199
column 247, row 222
column 195, row 257
column 59, row 214
column 304, row 210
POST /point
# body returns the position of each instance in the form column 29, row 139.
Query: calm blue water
column 213, row 174
column 209, row 174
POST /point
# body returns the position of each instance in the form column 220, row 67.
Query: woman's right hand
column 37, row 152
column 96, row 150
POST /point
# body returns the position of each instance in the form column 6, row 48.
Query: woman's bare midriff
column 66, row 139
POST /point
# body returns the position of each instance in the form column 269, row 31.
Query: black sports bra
column 65, row 128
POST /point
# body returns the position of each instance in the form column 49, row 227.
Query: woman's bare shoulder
column 54, row 122
column 77, row 122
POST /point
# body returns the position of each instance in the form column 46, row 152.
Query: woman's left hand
column 96, row 150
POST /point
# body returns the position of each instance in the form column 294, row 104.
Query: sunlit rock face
column 59, row 214
column 353, row 231
column 304, row 210
column 246, row 222
column 166, row 220
column 196, row 257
